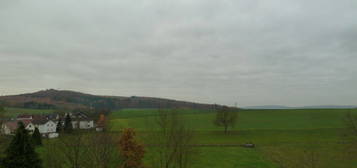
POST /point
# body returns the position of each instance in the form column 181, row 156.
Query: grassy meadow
column 287, row 132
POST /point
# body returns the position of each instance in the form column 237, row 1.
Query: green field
column 13, row 112
column 248, row 119
column 288, row 131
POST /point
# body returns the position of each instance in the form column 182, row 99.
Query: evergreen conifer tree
column 36, row 137
column 21, row 152
column 59, row 127
column 68, row 127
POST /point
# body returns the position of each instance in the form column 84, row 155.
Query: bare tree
column 351, row 123
column 2, row 115
column 225, row 117
column 101, row 151
column 53, row 157
column 172, row 142
column 72, row 147
column 102, row 148
column 350, row 136
column 82, row 149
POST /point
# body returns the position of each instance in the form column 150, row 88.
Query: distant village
column 47, row 124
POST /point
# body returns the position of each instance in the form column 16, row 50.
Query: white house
column 83, row 124
column 47, row 124
column 46, row 127
column 10, row 127
column 29, row 126
column 81, row 121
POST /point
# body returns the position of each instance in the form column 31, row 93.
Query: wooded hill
column 52, row 99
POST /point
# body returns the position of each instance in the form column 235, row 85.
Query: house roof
column 26, row 122
column 38, row 117
column 40, row 121
column 80, row 115
column 52, row 116
column 12, row 125
column 24, row 116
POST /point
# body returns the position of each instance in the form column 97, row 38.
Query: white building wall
column 83, row 124
column 86, row 124
column 48, row 127
column 30, row 127
column 5, row 130
column 53, row 135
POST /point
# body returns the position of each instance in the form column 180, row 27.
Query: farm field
column 290, row 132
column 13, row 112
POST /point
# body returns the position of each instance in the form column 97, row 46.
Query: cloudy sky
column 256, row 52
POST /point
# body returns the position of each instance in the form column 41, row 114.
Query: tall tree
column 73, row 150
column 174, row 140
column 59, row 126
column 53, row 158
column 21, row 152
column 2, row 111
column 36, row 137
column 68, row 127
column 226, row 117
column 130, row 150
column 350, row 135
column 101, row 151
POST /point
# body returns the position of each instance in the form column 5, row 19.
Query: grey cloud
column 254, row 52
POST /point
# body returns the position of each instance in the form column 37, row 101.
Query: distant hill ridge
column 302, row 107
column 47, row 99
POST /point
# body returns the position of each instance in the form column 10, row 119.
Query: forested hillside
column 51, row 99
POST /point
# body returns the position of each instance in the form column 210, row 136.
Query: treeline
column 37, row 105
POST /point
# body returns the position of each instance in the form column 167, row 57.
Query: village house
column 46, row 127
column 46, row 124
column 81, row 121
column 9, row 127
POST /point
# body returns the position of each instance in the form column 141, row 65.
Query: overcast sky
column 253, row 52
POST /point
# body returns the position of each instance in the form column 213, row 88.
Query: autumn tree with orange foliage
column 130, row 150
